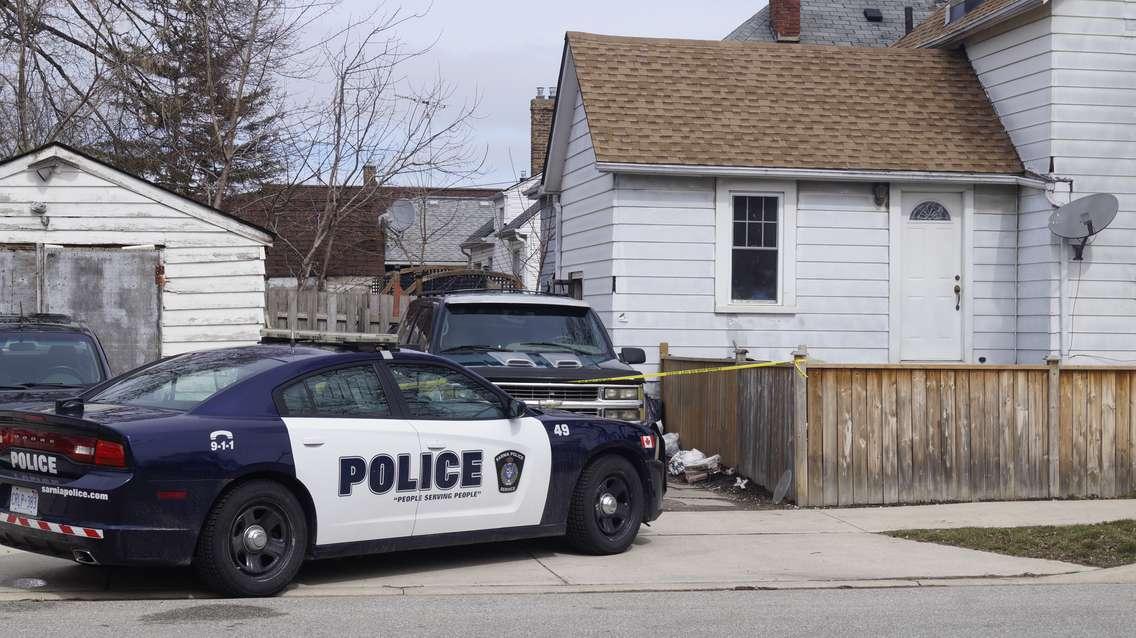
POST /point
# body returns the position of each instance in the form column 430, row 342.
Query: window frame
column 404, row 409
column 393, row 401
column 786, row 194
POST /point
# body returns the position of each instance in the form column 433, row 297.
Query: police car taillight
column 648, row 441
column 81, row 449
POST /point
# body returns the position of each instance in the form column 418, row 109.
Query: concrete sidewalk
column 682, row 551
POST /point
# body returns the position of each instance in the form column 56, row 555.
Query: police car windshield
column 184, row 382
column 47, row 359
column 523, row 328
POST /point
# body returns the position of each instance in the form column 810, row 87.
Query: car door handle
column 312, row 441
column 434, row 445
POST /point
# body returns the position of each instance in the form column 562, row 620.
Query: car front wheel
column 253, row 542
column 607, row 507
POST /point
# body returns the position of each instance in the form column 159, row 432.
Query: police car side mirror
column 517, row 409
column 632, row 356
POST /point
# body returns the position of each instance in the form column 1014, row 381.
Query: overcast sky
column 503, row 49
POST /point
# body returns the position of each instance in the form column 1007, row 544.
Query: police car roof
column 513, row 299
column 287, row 353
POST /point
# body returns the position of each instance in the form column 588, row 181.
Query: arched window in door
column 930, row 211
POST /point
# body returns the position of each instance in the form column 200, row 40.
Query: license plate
column 24, row 501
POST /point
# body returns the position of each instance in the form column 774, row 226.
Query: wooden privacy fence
column 746, row 416
column 881, row 434
column 356, row 311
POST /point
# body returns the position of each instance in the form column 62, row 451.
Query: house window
column 755, row 260
column 930, row 212
column 753, row 272
column 960, row 8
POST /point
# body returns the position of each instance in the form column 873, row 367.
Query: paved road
column 1068, row 610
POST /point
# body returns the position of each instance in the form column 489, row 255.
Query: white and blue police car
column 246, row 461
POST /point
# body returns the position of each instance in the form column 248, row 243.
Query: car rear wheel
column 253, row 542
column 607, row 507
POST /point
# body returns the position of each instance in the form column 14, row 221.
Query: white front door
column 931, row 284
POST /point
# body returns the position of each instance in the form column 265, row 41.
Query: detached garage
column 151, row 272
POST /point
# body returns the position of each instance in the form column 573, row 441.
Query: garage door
column 111, row 290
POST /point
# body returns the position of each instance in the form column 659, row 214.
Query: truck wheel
column 253, row 542
column 607, row 507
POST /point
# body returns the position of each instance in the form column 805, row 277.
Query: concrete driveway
column 726, row 549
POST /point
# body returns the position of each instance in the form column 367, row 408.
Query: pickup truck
column 534, row 347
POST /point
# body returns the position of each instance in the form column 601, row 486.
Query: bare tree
column 372, row 117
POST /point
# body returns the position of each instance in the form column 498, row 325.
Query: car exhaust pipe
column 84, row 557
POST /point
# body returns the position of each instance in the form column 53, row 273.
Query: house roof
column 751, row 104
column 66, row 153
column 935, row 30
column 523, row 218
column 448, row 223
column 840, row 22
column 359, row 249
column 478, row 236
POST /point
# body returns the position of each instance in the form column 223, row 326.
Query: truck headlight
column 623, row 415
column 630, row 393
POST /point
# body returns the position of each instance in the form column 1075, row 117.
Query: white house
column 153, row 273
column 511, row 240
column 1062, row 76
column 868, row 203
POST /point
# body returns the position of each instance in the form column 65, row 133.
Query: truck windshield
column 522, row 328
column 47, row 359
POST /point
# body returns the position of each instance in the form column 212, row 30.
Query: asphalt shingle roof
column 936, row 27
column 449, row 222
column 840, row 22
column 751, row 104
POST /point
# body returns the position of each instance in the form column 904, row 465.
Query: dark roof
column 801, row 106
column 840, row 22
column 92, row 158
column 360, row 248
column 523, row 218
column 935, row 27
column 481, row 233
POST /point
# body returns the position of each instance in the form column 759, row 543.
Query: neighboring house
column 445, row 219
column 861, row 23
column 769, row 195
column 151, row 272
column 1062, row 76
column 360, row 251
column 510, row 241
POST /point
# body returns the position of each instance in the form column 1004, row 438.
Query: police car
column 246, row 461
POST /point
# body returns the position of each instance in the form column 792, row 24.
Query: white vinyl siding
column 586, row 231
column 214, row 290
column 994, row 281
column 1094, row 144
column 666, row 284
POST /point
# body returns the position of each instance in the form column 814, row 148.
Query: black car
column 545, row 350
column 44, row 357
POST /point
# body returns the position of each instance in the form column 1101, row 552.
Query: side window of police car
column 353, row 392
column 439, row 393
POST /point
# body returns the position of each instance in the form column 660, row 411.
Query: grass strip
column 1099, row 545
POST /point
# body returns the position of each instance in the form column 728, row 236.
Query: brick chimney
column 540, row 112
column 785, row 19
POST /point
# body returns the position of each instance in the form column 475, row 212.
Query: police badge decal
column 509, row 466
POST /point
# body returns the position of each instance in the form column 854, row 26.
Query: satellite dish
column 1083, row 218
column 400, row 216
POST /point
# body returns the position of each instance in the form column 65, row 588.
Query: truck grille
column 552, row 392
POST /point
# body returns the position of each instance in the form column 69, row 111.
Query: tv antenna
column 400, row 216
column 1083, row 218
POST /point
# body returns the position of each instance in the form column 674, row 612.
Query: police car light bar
column 347, row 339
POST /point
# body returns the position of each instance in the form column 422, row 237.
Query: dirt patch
column 682, row 497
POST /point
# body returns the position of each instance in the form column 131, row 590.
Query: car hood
column 604, row 370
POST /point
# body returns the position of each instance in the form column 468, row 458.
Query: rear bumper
column 107, row 545
column 654, row 509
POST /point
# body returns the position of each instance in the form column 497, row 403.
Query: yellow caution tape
column 796, row 363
